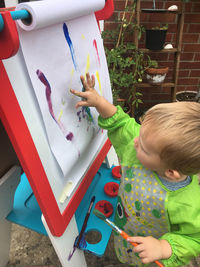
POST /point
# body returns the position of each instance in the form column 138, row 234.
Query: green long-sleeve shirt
column 181, row 207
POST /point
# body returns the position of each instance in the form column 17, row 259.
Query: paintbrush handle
column 125, row 236
column 85, row 221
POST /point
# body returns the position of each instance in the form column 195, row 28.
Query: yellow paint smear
column 98, row 79
column 70, row 83
column 60, row 114
column 87, row 64
column 72, row 72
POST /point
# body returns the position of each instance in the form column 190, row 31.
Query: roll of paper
column 49, row 12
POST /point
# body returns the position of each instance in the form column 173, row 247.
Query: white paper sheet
column 56, row 55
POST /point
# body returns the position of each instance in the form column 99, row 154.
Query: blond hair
column 177, row 129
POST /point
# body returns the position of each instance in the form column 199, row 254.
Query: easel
column 61, row 227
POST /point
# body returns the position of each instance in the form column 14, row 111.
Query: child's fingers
column 140, row 248
column 142, row 255
column 84, row 83
column 145, row 260
column 90, row 80
column 93, row 81
column 135, row 239
column 77, row 93
column 81, row 104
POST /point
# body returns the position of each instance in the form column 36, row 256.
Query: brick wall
column 189, row 73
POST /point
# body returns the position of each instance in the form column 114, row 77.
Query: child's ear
column 172, row 174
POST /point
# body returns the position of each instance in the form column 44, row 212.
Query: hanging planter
column 155, row 38
column 156, row 76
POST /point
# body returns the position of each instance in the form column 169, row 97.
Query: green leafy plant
column 126, row 63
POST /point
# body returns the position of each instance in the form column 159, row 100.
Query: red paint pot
column 105, row 207
column 111, row 189
column 116, row 172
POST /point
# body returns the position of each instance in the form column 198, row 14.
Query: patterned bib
column 140, row 210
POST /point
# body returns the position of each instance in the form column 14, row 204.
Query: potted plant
column 156, row 75
column 155, row 37
column 125, row 63
column 187, row 95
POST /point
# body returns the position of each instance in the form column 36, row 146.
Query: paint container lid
column 111, row 189
column 105, row 207
column 116, row 172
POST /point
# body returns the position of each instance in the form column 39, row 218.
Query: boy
column 159, row 194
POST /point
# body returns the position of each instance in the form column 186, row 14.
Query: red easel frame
column 18, row 132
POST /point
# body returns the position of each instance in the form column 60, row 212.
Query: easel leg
column 8, row 185
column 63, row 245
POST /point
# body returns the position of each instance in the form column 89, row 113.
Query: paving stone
column 30, row 249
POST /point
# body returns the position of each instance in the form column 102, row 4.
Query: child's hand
column 90, row 97
column 151, row 249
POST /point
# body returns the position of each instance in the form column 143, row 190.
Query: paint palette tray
column 26, row 211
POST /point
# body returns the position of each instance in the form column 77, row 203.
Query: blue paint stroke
column 68, row 39
column 90, row 118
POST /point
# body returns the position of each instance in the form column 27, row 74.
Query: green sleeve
column 183, row 208
column 121, row 131
column 184, row 249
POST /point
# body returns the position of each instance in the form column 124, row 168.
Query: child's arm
column 151, row 249
column 90, row 98
column 121, row 128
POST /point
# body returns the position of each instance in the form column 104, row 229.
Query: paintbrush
column 118, row 230
column 76, row 244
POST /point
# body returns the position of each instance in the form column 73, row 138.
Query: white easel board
column 54, row 187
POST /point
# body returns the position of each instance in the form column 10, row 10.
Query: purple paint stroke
column 83, row 112
column 69, row 41
column 79, row 115
column 70, row 136
column 82, row 245
column 44, row 80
